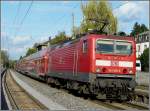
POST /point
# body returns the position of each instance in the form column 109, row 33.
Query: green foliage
column 58, row 38
column 137, row 28
column 12, row 63
column 31, row 51
column 98, row 10
column 76, row 30
column 4, row 58
column 20, row 57
column 143, row 28
column 144, row 58
column 122, row 33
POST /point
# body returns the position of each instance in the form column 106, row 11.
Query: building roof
column 142, row 37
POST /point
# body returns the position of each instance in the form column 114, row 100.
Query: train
column 100, row 65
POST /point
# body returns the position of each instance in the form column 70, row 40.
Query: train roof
column 110, row 37
column 37, row 55
column 43, row 52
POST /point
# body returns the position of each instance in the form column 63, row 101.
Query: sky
column 20, row 30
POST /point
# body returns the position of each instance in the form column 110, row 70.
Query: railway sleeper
column 141, row 98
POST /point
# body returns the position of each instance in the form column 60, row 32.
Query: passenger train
column 103, row 66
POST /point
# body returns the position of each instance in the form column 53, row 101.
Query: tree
column 143, row 28
column 77, row 30
column 137, row 28
column 12, row 63
column 99, row 11
column 20, row 57
column 144, row 58
column 121, row 33
column 35, row 45
column 31, row 51
column 4, row 58
column 59, row 38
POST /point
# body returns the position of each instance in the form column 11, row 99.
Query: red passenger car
column 35, row 65
column 101, row 65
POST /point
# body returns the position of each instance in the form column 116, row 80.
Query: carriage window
column 84, row 48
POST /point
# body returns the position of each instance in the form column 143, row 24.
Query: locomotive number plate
column 114, row 63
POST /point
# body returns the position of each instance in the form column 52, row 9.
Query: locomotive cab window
column 84, row 47
column 113, row 47
column 123, row 47
column 105, row 46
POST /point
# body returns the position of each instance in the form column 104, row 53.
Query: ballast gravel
column 59, row 96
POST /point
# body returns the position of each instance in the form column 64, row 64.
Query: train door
column 42, row 66
column 84, row 60
column 49, row 61
column 75, row 60
column 45, row 64
column 36, row 66
column 39, row 66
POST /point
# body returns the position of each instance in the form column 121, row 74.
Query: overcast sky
column 47, row 18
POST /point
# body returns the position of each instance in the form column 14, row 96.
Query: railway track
column 141, row 96
column 114, row 105
column 142, row 87
column 108, row 104
column 18, row 98
column 122, row 106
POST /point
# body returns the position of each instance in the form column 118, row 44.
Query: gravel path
column 61, row 97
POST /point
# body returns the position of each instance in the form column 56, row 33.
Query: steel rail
column 137, row 106
column 114, row 105
column 8, row 92
column 13, row 101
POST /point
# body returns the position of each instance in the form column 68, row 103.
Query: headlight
column 130, row 71
column 98, row 69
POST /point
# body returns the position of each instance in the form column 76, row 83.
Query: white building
column 142, row 42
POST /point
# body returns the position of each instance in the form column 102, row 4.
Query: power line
column 61, row 18
column 17, row 13
column 77, row 5
column 22, row 21
column 13, row 23
column 121, row 5
column 15, row 17
column 26, row 13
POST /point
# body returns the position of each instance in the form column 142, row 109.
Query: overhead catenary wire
column 13, row 24
column 59, row 19
column 29, row 8
column 62, row 17
column 121, row 5
column 22, row 21
column 16, row 16
column 77, row 5
column 17, row 12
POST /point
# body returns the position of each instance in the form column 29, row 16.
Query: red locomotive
column 99, row 65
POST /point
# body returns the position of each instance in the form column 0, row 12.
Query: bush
column 144, row 58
